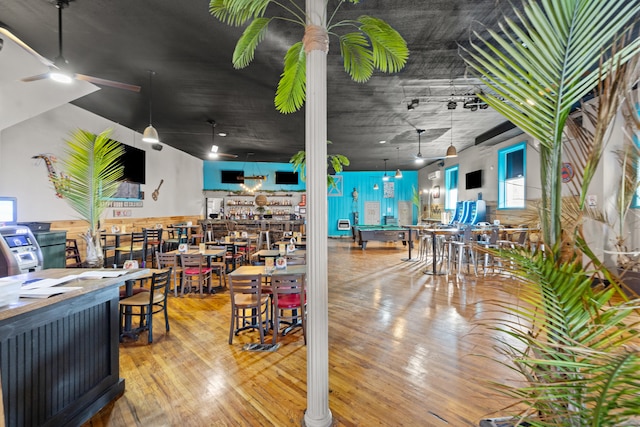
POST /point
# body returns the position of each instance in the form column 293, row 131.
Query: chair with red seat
column 195, row 272
column 249, row 305
column 289, row 303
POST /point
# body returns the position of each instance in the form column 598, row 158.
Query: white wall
column 26, row 178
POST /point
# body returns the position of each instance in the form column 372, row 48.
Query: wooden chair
column 136, row 244
column 289, row 303
column 72, row 254
column 149, row 303
column 153, row 242
column 249, row 305
column 195, row 272
column 166, row 260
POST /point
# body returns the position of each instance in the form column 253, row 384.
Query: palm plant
column 572, row 341
column 373, row 45
column 92, row 170
column 334, row 161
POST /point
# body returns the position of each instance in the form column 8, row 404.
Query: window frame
column 448, row 205
column 502, row 174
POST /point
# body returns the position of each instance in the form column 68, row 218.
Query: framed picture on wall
column 435, row 191
column 388, row 190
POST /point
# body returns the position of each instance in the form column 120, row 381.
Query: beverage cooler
column 19, row 251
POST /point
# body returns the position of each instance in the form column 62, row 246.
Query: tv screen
column 134, row 163
column 231, row 177
column 8, row 210
column 287, row 178
column 474, row 179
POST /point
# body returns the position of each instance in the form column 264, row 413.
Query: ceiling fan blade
column 231, row 156
column 105, row 82
column 36, row 77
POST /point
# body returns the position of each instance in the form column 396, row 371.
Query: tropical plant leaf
column 390, row 50
column 237, row 12
column 245, row 49
column 543, row 65
column 357, row 56
column 92, row 170
column 291, row 92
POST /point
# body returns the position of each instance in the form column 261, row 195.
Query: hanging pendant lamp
column 385, row 177
column 398, row 172
column 451, row 151
column 150, row 133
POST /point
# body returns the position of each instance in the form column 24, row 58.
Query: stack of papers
column 44, row 288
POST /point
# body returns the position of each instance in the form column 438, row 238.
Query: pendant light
column 150, row 133
column 419, row 158
column 385, row 177
column 398, row 172
column 451, row 151
column 375, row 186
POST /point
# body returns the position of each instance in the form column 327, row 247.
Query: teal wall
column 340, row 205
column 211, row 172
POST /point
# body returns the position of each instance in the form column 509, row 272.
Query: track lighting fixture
column 413, row 104
column 150, row 133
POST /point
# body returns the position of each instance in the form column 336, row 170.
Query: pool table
column 382, row 233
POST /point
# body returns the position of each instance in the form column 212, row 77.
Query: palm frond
column 92, row 170
column 357, row 56
column 291, row 92
column 237, row 12
column 247, row 43
column 542, row 65
column 390, row 50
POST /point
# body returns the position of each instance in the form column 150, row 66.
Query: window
column 512, row 163
column 451, row 187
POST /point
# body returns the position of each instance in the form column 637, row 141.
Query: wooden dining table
column 273, row 253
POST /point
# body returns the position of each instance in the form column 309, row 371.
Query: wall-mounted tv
column 8, row 210
column 231, row 177
column 134, row 163
column 473, row 179
column 287, row 178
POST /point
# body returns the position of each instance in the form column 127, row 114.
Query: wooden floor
column 402, row 347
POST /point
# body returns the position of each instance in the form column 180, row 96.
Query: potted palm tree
column 92, row 173
column 574, row 344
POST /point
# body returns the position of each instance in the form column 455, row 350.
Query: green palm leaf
column 92, row 170
column 540, row 67
column 248, row 42
column 357, row 56
column 237, row 12
column 290, row 94
column 390, row 50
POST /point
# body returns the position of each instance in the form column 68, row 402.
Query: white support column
column 318, row 413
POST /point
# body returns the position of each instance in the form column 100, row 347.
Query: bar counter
column 59, row 356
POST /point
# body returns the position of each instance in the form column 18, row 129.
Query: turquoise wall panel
column 211, row 172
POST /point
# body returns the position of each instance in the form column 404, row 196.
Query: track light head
column 413, row 104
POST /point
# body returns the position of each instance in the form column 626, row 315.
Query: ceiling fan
column 59, row 69
column 214, row 154
column 419, row 159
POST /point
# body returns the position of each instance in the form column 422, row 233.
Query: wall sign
column 388, row 189
column 567, row 172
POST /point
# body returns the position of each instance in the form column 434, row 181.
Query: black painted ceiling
column 190, row 52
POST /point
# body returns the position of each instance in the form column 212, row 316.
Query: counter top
column 25, row 305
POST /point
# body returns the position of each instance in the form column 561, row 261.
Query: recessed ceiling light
column 383, row 142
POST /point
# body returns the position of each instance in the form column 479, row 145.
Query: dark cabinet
column 53, row 247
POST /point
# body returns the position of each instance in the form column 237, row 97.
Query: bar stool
column 263, row 237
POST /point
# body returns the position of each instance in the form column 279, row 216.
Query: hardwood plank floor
column 401, row 345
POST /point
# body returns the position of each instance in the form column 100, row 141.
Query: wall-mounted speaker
column 157, row 147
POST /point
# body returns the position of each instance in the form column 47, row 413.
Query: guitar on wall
column 155, row 193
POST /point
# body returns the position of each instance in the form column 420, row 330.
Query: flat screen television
column 8, row 210
column 231, row 177
column 287, row 178
column 473, row 179
column 134, row 163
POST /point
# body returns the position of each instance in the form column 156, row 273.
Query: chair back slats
column 248, row 304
